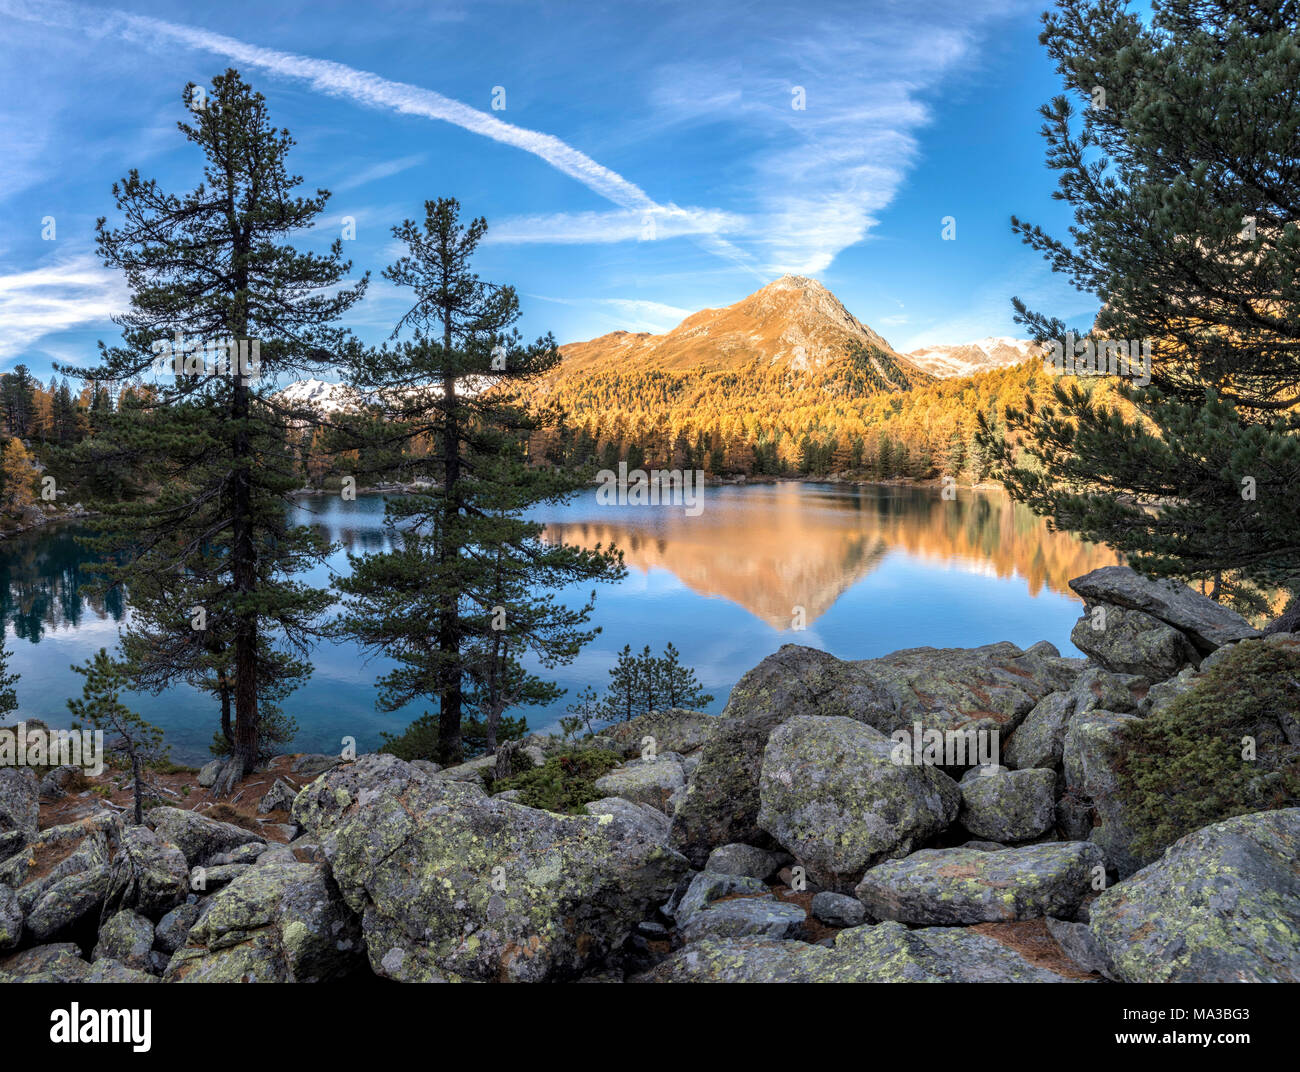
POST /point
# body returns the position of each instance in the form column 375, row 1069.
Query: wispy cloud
column 631, row 314
column 619, row 226
column 339, row 80
column 68, row 293
column 382, row 170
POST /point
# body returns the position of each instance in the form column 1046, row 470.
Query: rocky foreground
column 784, row 841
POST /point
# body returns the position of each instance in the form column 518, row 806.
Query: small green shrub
column 564, row 783
column 420, row 739
column 1184, row 768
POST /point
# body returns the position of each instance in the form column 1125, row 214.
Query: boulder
column 64, row 875
column 950, row 887
column 59, row 962
column 1076, row 942
column 11, row 919
column 19, row 801
column 673, row 730
column 649, row 822
column 321, row 806
column 707, row 887
column 276, row 924
column 174, row 927
column 126, row 937
column 312, row 764
column 279, row 797
column 54, row 784
column 838, row 909
column 197, row 836
column 832, row 795
column 113, row 971
column 645, row 781
column 1094, row 745
column 209, row 878
column 1209, row 625
column 1163, row 693
column 149, row 874
column 1040, row 740
column 208, row 773
column 887, row 952
column 990, row 688
column 1221, row 905
column 743, row 917
column 1131, row 642
column 1008, row 806
column 249, row 853
column 746, row 860
column 453, row 884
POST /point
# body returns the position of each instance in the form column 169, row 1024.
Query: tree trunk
column 449, row 709
column 139, row 788
column 244, row 575
column 223, row 689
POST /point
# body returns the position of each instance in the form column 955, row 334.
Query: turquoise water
column 874, row 569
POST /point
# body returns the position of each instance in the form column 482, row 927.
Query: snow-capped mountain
column 965, row 359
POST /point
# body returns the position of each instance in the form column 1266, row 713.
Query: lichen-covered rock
column 197, row 836
column 959, row 886
column 452, row 884
column 319, row 806
column 64, row 874
column 19, row 801
column 990, row 688
column 1094, row 745
column 174, row 927
column 838, row 909
column 54, row 783
column 742, row 917
column 1221, row 905
column 832, row 794
column 313, row 764
column 208, row 773
column 150, row 874
column 274, row 924
column 126, row 937
column 747, row 860
column 1040, row 740
column 1130, row 642
column 109, row 970
column 1008, row 806
column 672, row 730
column 887, row 952
column 650, row 822
column 11, row 919
column 59, row 962
column 645, row 781
column 279, row 797
column 1207, row 624
column 1077, row 943
column 1163, row 693
column 706, row 887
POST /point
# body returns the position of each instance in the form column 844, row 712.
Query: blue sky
column 648, row 160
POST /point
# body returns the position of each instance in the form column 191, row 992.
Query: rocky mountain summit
column 805, row 835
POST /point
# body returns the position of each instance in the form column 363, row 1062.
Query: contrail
column 363, row 87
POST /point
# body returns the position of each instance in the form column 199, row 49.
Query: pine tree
column 1183, row 173
column 681, row 688
column 8, row 694
column 465, row 591
column 214, row 265
column 100, row 709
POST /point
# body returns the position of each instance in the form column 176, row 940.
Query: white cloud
column 70, row 293
column 619, row 226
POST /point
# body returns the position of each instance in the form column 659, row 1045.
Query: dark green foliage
column 1183, row 769
column 639, row 684
column 214, row 447
column 467, row 589
column 8, row 695
column 101, row 709
column 420, row 739
column 564, row 783
column 1187, row 230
